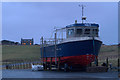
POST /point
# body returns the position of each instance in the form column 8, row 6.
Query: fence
column 111, row 64
column 23, row 64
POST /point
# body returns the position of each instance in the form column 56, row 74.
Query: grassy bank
column 20, row 52
column 108, row 51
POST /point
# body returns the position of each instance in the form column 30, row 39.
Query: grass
column 27, row 52
column 110, row 52
column 20, row 52
column 109, row 48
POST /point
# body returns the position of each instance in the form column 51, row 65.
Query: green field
column 24, row 52
column 108, row 51
column 20, row 52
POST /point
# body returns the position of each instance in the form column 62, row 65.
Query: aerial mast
column 83, row 18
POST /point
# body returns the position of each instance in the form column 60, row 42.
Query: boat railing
column 50, row 41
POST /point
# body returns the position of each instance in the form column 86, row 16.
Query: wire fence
column 20, row 64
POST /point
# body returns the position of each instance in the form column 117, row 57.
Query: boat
column 80, row 47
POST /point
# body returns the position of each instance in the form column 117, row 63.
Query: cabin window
column 95, row 31
column 79, row 31
column 70, row 32
column 87, row 31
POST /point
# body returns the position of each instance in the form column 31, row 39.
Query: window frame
column 87, row 32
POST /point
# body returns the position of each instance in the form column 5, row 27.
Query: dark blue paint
column 75, row 48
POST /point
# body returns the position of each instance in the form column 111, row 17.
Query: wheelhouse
column 82, row 30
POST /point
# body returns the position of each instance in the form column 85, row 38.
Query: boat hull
column 73, row 53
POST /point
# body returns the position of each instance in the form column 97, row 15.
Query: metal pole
column 93, row 46
column 55, row 49
column 62, row 34
column 94, row 50
column 82, row 12
column 42, row 51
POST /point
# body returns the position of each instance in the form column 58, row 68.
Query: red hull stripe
column 83, row 60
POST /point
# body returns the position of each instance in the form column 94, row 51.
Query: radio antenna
column 83, row 18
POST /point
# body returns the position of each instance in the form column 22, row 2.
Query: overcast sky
column 36, row 19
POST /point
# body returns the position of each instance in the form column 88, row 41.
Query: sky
column 37, row 19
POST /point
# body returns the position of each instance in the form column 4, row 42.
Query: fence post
column 13, row 66
column 22, row 65
column 30, row 65
column 26, row 65
column 107, row 63
column 18, row 66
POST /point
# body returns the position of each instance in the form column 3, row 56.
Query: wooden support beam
column 46, row 63
column 58, row 63
column 96, row 62
column 90, row 64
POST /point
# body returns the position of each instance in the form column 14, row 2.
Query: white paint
column 79, row 39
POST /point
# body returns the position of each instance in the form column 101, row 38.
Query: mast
column 83, row 18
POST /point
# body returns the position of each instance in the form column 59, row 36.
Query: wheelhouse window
column 79, row 31
column 95, row 31
column 70, row 32
column 87, row 31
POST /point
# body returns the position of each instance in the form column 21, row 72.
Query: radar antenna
column 83, row 18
